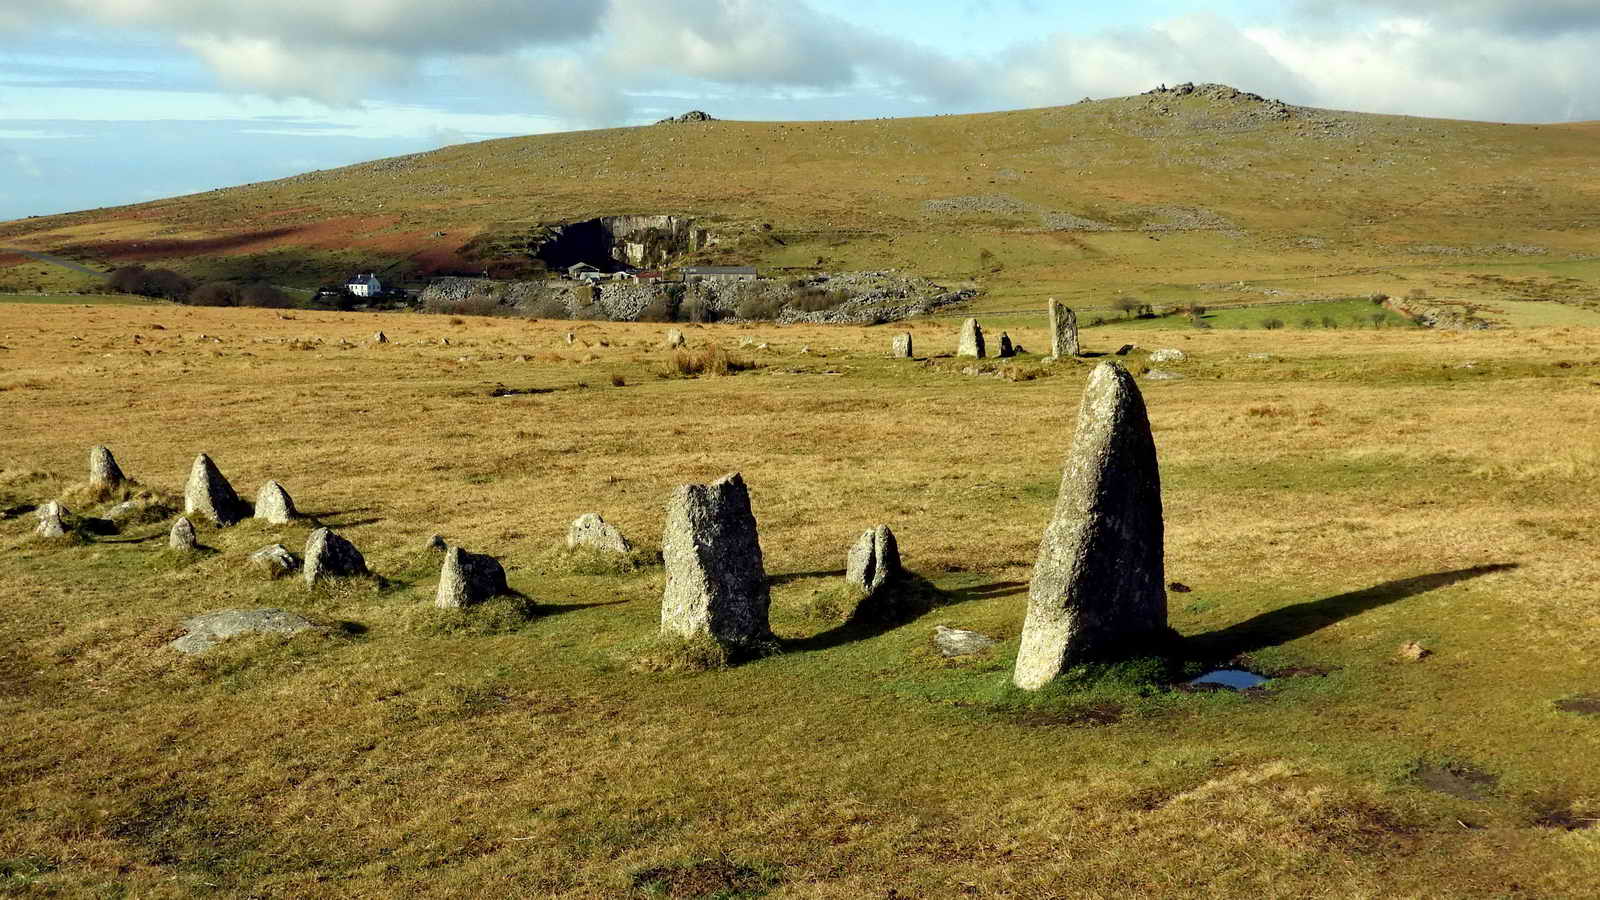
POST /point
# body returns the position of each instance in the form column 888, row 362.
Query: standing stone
column 571, row 338
column 468, row 578
column 971, row 339
column 209, row 494
column 589, row 530
column 52, row 521
column 1098, row 584
column 1006, row 351
column 901, row 348
column 103, row 469
column 274, row 505
column 181, row 537
column 716, row 585
column 434, row 543
column 674, row 338
column 276, row 560
column 1063, row 330
column 331, row 556
column 874, row 560
column 380, row 338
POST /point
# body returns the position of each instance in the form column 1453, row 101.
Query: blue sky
column 104, row 102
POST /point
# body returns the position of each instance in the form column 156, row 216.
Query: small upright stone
column 971, row 339
column 901, row 348
column 210, row 494
column 572, row 338
column 276, row 560
column 466, row 579
column 103, row 469
column 52, row 521
column 435, row 544
column 1063, row 330
column 181, row 537
column 1006, row 351
column 380, row 338
column 1098, row 586
column 274, row 505
column 589, row 530
column 716, row 584
column 873, row 561
column 330, row 556
column 674, row 339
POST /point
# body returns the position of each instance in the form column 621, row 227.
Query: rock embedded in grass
column 210, row 629
column 276, row 560
column 1098, row 587
column 103, row 469
column 181, row 536
column 716, row 582
column 873, row 561
column 467, row 579
column 1063, row 330
column 591, row 531
column 1168, row 355
column 209, row 494
column 971, row 339
column 328, row 555
column 274, row 505
column 900, row 348
column 52, row 520
column 953, row 642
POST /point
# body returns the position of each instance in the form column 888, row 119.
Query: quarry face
column 615, row 242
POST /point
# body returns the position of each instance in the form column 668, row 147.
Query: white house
column 364, row 285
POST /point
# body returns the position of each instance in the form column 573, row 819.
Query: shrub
column 1097, row 320
column 1329, row 322
column 1128, row 306
column 1379, row 319
column 1272, row 324
column 214, row 293
column 162, row 284
column 263, row 296
column 548, row 308
column 1308, row 322
column 1418, row 294
column 815, row 299
column 759, row 307
column 705, row 361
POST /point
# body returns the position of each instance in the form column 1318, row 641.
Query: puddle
column 1228, row 679
column 1589, row 706
column 1464, row 782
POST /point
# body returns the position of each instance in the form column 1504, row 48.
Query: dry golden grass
column 1349, row 494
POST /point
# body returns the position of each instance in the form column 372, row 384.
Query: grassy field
column 80, row 299
column 1347, row 494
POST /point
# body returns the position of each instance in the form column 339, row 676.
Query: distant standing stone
column 1098, row 586
column 466, row 579
column 380, row 338
column 1167, row 355
column 1125, row 349
column 181, row 536
column 103, row 469
column 589, row 530
column 1063, row 330
column 953, row 642
column 873, row 561
column 674, row 338
column 435, row 543
column 971, row 339
column 207, row 631
column 330, row 556
column 716, row 583
column 52, row 521
column 571, row 338
column 210, row 494
column 1006, row 350
column 901, row 348
column 274, row 505
column 276, row 560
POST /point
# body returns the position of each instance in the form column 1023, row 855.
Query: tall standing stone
column 330, row 556
column 210, row 494
column 873, row 561
column 716, row 584
column 466, row 579
column 1063, row 330
column 1098, row 588
column 52, row 520
column 901, row 348
column 103, row 469
column 181, row 537
column 1006, row 350
column 971, row 339
column 274, row 505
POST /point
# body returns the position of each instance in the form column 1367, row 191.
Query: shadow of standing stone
column 1098, row 587
column 716, row 583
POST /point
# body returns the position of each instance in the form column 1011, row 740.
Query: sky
column 106, row 102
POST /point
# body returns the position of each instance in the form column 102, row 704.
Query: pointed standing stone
column 331, row 556
column 971, row 339
column 52, row 520
column 380, row 338
column 901, row 348
column 103, row 469
column 589, row 530
column 466, row 579
column 716, row 584
column 1098, row 588
column 274, row 505
column 1063, row 330
column 209, row 494
column 1006, row 351
column 181, row 537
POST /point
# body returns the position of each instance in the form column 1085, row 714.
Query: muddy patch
column 1587, row 705
column 1461, row 781
column 1565, row 820
column 721, row 877
column 1084, row 714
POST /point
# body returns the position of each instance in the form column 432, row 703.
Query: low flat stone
column 103, row 469
column 590, row 530
column 466, row 579
column 953, row 642
column 210, row 629
column 181, row 535
column 1168, row 355
column 1163, row 375
column 274, row 505
column 52, row 520
column 330, row 556
column 276, row 560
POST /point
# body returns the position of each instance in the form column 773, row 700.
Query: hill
column 1177, row 194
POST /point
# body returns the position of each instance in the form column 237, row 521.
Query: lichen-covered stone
column 716, row 582
column 52, row 520
column 274, row 505
column 181, row 536
column 873, row 561
column 208, row 630
column 971, row 339
column 435, row 544
column 276, row 560
column 209, row 494
column 1167, row 355
column 466, row 579
column 103, row 469
column 1098, row 586
column 330, row 556
column 590, row 530
column 1006, row 351
column 901, row 347
column 953, row 642
column 380, row 338
column 675, row 339
column 1063, row 330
